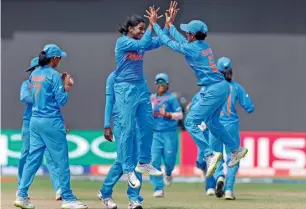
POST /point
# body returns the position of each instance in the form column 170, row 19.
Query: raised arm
column 156, row 43
column 182, row 48
column 177, row 35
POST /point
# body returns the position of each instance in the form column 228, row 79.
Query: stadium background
column 266, row 41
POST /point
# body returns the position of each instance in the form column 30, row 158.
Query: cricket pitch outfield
column 178, row 196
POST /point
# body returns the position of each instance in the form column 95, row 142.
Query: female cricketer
column 47, row 127
column 116, row 171
column 133, row 98
column 205, row 113
column 167, row 111
column 230, row 120
column 26, row 98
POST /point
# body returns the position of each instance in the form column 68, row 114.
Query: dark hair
column 43, row 59
column 228, row 74
column 132, row 21
column 200, row 36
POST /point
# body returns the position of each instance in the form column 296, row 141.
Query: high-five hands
column 170, row 14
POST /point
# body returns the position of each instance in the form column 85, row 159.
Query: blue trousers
column 116, row 170
column 47, row 134
column 233, row 129
column 134, row 105
column 164, row 146
column 207, row 110
column 201, row 164
column 25, row 152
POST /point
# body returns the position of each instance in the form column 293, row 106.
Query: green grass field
column 178, row 196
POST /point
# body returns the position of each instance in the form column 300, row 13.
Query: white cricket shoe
column 237, row 155
column 134, row 204
column 212, row 162
column 24, row 203
column 158, row 193
column 58, row 195
column 99, row 195
column 133, row 180
column 210, row 192
column 148, row 168
column 74, row 204
column 219, row 187
column 229, row 195
column 168, row 180
column 109, row 203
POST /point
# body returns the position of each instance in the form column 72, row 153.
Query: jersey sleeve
column 58, row 90
column 244, row 99
column 156, row 43
column 177, row 35
column 109, row 101
column 176, row 105
column 130, row 44
column 182, row 48
column 25, row 93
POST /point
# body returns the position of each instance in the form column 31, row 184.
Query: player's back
column 129, row 61
column 229, row 112
column 46, row 91
column 199, row 56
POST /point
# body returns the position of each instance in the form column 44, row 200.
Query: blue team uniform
column 165, row 137
column 133, row 97
column 116, row 170
column 230, row 119
column 47, row 127
column 25, row 96
column 199, row 56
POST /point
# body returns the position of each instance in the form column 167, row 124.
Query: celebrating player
column 116, row 171
column 205, row 113
column 25, row 96
column 230, row 119
column 167, row 111
column 47, row 127
column 133, row 97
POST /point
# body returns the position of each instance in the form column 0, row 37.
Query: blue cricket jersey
column 26, row 97
column 238, row 94
column 171, row 104
column 129, row 54
column 47, row 92
column 198, row 55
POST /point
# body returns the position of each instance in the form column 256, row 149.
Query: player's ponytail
column 123, row 29
column 43, row 59
column 132, row 21
column 228, row 75
column 200, row 36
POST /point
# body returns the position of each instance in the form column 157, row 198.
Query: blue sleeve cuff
column 166, row 31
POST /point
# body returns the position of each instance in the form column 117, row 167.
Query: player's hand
column 68, row 81
column 67, row 129
column 152, row 15
column 171, row 13
column 188, row 106
column 108, row 134
column 162, row 111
